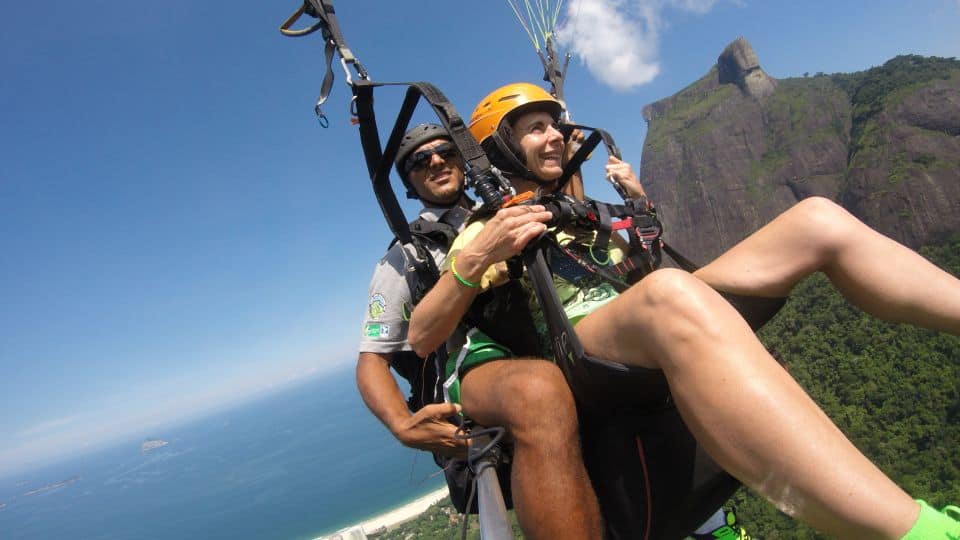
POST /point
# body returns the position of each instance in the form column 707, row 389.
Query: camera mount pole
column 484, row 456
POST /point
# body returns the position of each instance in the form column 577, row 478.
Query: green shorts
column 478, row 348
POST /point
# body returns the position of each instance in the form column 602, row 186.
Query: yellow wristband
column 463, row 281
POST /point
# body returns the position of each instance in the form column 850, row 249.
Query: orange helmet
column 488, row 127
column 503, row 101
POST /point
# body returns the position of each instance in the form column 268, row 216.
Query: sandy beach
column 394, row 517
column 404, row 513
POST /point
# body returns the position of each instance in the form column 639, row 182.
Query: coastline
column 396, row 516
column 404, row 513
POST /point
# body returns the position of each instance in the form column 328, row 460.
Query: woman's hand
column 622, row 173
column 508, row 232
column 573, row 144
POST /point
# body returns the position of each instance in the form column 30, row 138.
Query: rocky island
column 152, row 444
column 48, row 487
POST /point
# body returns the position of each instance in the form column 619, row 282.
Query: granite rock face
column 907, row 184
column 726, row 155
column 738, row 64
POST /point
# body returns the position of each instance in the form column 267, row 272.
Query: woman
column 768, row 433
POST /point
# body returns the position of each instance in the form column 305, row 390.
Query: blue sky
column 178, row 233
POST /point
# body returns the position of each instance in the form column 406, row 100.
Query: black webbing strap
column 567, row 349
column 552, row 72
column 596, row 136
column 682, row 262
column 379, row 164
column 604, row 227
column 326, row 16
column 324, row 11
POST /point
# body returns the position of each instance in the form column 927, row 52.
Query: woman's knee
column 826, row 220
column 669, row 289
column 679, row 305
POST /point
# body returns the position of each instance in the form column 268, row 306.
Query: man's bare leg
column 746, row 411
column 882, row 277
column 551, row 491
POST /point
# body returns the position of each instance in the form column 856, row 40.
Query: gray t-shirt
column 389, row 303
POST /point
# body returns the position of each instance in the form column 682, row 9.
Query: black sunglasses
column 419, row 160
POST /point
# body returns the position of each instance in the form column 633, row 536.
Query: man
column 432, row 171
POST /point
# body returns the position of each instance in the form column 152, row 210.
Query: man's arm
column 427, row 429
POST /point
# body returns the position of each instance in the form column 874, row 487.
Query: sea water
column 297, row 464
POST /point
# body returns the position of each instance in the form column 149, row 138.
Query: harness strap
column 586, row 148
column 681, row 261
column 610, row 274
column 451, row 386
column 604, row 227
column 423, row 276
column 327, row 23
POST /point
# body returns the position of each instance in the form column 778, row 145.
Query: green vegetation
column 893, row 389
column 898, row 168
column 872, row 90
column 688, row 115
column 766, row 167
column 801, row 114
column 439, row 522
column 925, row 160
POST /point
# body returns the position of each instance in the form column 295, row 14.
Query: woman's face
column 540, row 143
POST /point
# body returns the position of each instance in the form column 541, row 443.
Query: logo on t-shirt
column 378, row 304
column 376, row 330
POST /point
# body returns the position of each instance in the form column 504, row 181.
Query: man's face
column 437, row 173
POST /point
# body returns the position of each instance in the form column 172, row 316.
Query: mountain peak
column 738, row 64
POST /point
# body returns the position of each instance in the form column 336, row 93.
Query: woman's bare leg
column 745, row 410
column 882, row 277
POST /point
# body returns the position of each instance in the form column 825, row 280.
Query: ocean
column 300, row 463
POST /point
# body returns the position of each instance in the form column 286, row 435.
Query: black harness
column 424, row 374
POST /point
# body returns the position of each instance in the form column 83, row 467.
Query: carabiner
column 321, row 118
column 346, row 70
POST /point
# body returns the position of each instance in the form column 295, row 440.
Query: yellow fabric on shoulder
column 469, row 233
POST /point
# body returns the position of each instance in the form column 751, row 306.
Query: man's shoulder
column 393, row 257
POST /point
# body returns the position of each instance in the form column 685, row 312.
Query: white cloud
column 618, row 40
column 44, row 428
column 699, row 7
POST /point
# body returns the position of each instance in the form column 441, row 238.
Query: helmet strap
column 503, row 137
column 511, row 155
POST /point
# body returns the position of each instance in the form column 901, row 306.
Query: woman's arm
column 437, row 315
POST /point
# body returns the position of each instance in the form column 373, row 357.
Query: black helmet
column 413, row 139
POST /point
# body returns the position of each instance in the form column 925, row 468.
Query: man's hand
column 428, row 429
